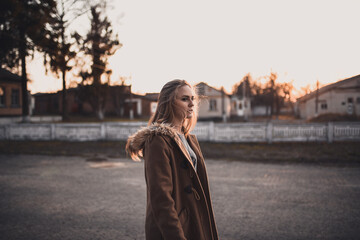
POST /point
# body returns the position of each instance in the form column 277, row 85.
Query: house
column 10, row 94
column 119, row 101
column 214, row 104
column 47, row 104
column 342, row 97
column 241, row 100
column 143, row 106
column 51, row 103
column 149, row 104
column 116, row 101
column 240, row 107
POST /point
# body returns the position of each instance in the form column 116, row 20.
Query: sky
column 219, row 42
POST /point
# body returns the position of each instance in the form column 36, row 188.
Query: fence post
column 52, row 131
column 211, row 131
column 330, row 135
column 7, row 132
column 269, row 132
column 103, row 131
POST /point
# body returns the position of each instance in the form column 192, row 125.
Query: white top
column 189, row 149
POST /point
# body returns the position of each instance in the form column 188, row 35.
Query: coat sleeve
column 158, row 175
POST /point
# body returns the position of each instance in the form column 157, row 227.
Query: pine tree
column 24, row 26
column 99, row 44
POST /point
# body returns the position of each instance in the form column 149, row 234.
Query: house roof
column 152, row 96
column 203, row 83
column 215, row 89
column 327, row 88
column 7, row 76
column 125, row 88
column 45, row 94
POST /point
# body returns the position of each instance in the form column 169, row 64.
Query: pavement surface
column 48, row 197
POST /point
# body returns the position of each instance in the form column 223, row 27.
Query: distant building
column 149, row 104
column 214, row 104
column 240, row 107
column 51, row 103
column 119, row 102
column 261, row 110
column 342, row 97
column 241, row 100
column 116, row 101
column 143, row 106
column 10, row 94
column 47, row 104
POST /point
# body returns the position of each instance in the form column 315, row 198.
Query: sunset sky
column 218, row 42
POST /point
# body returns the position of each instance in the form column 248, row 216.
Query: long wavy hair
column 166, row 107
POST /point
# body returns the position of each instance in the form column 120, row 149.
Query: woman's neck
column 178, row 124
column 178, row 127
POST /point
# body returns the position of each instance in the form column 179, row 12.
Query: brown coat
column 178, row 198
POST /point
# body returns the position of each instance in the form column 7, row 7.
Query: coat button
column 188, row 189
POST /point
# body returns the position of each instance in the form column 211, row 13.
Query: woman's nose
column 191, row 103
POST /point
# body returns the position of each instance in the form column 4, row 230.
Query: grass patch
column 307, row 152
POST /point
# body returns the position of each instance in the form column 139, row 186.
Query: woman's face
column 184, row 103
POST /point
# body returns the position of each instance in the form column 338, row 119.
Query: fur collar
column 136, row 142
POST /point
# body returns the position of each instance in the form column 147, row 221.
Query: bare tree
column 272, row 94
column 245, row 87
column 61, row 50
column 99, row 44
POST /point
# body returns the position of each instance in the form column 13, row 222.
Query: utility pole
column 131, row 111
column 317, row 99
column 223, row 104
column 245, row 105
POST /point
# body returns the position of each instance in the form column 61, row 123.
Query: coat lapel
column 183, row 149
column 195, row 146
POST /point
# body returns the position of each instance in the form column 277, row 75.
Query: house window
column 212, row 106
column 240, row 106
column 350, row 100
column 358, row 100
column 153, row 106
column 15, row 97
column 245, row 104
column 2, row 97
column 323, row 106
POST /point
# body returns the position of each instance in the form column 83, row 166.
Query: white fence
column 205, row 131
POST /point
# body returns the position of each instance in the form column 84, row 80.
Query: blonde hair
column 166, row 107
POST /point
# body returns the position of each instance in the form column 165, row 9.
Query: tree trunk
column 100, row 113
column 25, row 101
column 64, row 102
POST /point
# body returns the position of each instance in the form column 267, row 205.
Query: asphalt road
column 47, row 197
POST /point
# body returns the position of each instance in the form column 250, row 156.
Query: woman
column 178, row 198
